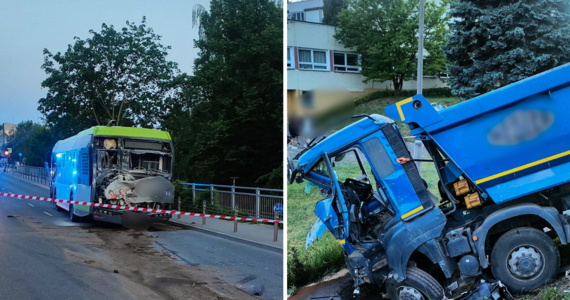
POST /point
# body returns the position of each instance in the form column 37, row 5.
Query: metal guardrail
column 35, row 174
column 257, row 202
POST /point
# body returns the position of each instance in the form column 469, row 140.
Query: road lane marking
column 30, row 204
column 48, row 214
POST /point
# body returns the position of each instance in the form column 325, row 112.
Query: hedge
column 432, row 92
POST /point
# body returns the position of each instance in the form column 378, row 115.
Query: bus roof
column 83, row 138
column 126, row 132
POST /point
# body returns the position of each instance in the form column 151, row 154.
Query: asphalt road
column 45, row 256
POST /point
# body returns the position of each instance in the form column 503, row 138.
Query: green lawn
column 325, row 256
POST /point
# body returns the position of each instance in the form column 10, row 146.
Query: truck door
column 403, row 185
column 331, row 211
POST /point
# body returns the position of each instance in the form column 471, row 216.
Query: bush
column 183, row 193
column 433, row 92
column 304, row 267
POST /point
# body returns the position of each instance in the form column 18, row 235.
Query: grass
column 553, row 291
column 325, row 256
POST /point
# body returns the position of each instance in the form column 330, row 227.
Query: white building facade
column 316, row 60
column 307, row 11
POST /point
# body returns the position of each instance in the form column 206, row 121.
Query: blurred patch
column 520, row 126
column 315, row 113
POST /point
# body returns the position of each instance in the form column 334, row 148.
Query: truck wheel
column 524, row 259
column 418, row 285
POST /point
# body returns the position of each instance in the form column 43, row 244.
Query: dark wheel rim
column 409, row 293
column 525, row 263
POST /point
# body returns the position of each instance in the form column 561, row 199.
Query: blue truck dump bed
column 510, row 142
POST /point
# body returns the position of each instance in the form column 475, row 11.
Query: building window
column 313, row 60
column 290, row 58
column 345, row 62
column 299, row 16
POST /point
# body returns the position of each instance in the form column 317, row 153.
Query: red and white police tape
column 124, row 207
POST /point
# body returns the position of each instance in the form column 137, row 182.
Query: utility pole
column 420, row 78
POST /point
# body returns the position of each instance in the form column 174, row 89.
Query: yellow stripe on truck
column 399, row 106
column 412, row 212
column 532, row 164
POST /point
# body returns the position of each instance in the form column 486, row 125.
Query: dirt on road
column 143, row 269
column 338, row 286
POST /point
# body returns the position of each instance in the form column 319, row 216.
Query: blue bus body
column 113, row 165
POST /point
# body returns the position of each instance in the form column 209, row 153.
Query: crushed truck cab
column 503, row 165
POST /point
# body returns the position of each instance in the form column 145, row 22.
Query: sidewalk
column 257, row 233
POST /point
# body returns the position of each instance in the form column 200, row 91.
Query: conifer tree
column 495, row 43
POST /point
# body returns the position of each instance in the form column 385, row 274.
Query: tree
column 331, row 8
column 385, row 34
column 234, row 99
column 34, row 141
column 495, row 43
column 121, row 75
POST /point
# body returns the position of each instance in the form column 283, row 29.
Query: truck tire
column 418, row 285
column 524, row 259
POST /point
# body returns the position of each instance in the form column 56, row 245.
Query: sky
column 29, row 26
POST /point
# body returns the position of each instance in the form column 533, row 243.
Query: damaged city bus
column 114, row 165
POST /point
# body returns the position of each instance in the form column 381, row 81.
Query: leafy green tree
column 495, row 43
column 385, row 34
column 34, row 141
column 331, row 8
column 120, row 75
column 235, row 97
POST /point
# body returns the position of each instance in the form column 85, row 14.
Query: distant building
column 308, row 11
column 316, row 60
column 8, row 130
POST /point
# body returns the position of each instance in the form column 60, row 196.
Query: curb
column 27, row 181
column 227, row 236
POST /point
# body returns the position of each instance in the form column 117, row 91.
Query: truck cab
column 374, row 206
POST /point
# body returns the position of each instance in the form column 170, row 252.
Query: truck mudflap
column 488, row 290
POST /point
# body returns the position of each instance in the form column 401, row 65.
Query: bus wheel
column 74, row 218
column 524, row 259
column 53, row 196
column 418, row 285
column 57, row 207
column 72, row 215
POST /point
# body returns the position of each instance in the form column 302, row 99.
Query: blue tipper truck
column 503, row 193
